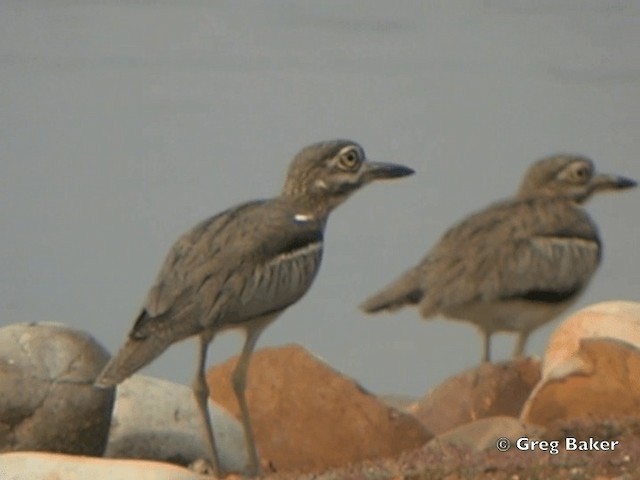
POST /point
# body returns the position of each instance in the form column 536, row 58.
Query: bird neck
column 308, row 207
column 576, row 199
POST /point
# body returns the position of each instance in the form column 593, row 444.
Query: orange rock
column 307, row 416
column 491, row 389
column 602, row 384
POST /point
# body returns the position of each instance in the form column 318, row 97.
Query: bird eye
column 582, row 173
column 349, row 159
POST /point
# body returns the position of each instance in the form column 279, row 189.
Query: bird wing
column 241, row 264
column 535, row 249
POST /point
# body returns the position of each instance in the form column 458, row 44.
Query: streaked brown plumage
column 517, row 264
column 242, row 268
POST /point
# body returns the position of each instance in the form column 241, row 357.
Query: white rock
column 619, row 320
column 51, row 466
column 158, row 420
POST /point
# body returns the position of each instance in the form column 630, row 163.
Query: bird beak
column 381, row 171
column 603, row 182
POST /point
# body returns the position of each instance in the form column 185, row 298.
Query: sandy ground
column 450, row 463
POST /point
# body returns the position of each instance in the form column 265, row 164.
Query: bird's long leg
column 239, row 380
column 521, row 343
column 201, row 393
column 486, row 345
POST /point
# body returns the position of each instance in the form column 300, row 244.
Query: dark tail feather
column 135, row 354
column 404, row 291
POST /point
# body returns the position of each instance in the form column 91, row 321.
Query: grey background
column 124, row 123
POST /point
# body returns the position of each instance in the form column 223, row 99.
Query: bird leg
column 201, row 393
column 486, row 345
column 239, row 381
column 518, row 351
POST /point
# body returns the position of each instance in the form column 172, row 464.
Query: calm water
column 124, row 123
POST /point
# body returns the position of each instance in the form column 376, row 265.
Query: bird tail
column 135, row 354
column 405, row 290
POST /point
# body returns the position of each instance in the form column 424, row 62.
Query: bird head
column 325, row 174
column 570, row 176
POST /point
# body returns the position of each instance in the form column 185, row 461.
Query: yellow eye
column 349, row 160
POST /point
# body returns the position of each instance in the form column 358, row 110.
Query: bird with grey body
column 517, row 264
column 242, row 268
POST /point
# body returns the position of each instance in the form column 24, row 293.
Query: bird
column 241, row 269
column 517, row 264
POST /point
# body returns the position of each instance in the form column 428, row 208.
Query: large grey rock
column 49, row 466
column 48, row 402
column 158, row 420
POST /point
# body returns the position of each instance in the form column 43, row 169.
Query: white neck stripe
column 302, row 217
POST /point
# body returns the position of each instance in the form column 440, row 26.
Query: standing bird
column 517, row 264
column 242, row 268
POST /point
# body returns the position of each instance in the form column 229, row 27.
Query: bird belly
column 507, row 315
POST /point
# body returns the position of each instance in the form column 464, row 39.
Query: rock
column 158, row 420
column 483, row 434
column 602, row 384
column 48, row 401
column 589, row 366
column 488, row 390
column 615, row 319
column 49, row 466
column 306, row 416
column 399, row 402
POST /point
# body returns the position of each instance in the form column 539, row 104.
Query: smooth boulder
column 591, row 367
column 309, row 417
column 49, row 466
column 618, row 320
column 488, row 390
column 602, row 386
column 485, row 433
column 158, row 420
column 48, row 401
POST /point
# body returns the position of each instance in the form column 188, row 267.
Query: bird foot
column 205, row 467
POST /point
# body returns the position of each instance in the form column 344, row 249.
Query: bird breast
column 282, row 280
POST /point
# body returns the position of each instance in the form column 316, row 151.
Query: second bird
column 517, row 264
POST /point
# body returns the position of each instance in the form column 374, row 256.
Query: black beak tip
column 624, row 182
column 401, row 171
column 391, row 170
